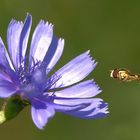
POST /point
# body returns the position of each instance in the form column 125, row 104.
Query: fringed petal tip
column 96, row 86
column 61, row 40
column 94, row 63
column 13, row 21
column 28, row 15
column 104, row 107
column 46, row 24
column 100, row 112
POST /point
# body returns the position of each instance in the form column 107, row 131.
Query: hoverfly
column 124, row 75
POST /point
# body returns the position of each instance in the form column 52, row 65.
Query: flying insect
column 124, row 75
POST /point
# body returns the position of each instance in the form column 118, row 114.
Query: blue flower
column 26, row 74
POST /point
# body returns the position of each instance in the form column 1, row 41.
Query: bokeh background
column 111, row 30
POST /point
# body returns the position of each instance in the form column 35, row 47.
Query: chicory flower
column 25, row 75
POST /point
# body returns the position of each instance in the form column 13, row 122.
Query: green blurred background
column 111, row 30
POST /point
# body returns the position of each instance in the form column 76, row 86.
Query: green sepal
column 11, row 108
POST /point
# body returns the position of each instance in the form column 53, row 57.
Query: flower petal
column 74, row 71
column 54, row 53
column 41, row 113
column 64, row 104
column 41, row 41
column 7, row 89
column 24, row 37
column 13, row 38
column 82, row 108
column 96, row 109
column 63, row 108
column 72, row 102
column 6, row 67
column 84, row 89
column 4, row 57
column 100, row 112
column 4, row 75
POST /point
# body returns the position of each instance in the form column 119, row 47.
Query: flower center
column 25, row 74
column 36, row 81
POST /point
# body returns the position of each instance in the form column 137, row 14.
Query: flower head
column 26, row 75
